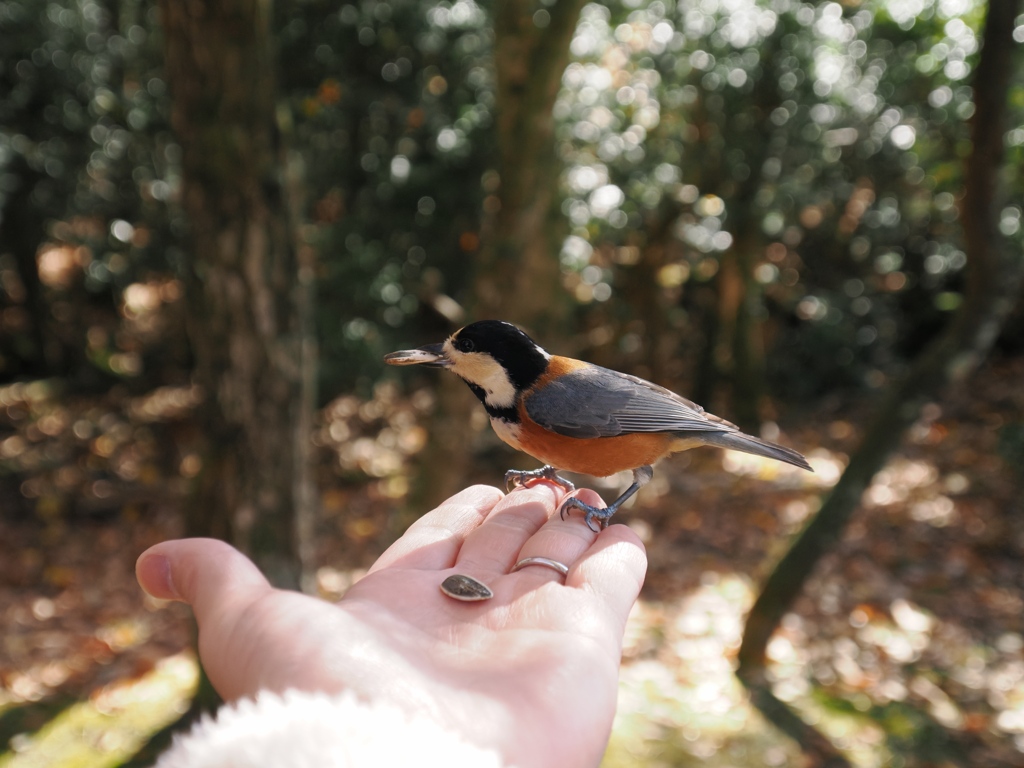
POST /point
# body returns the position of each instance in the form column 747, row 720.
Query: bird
column 574, row 416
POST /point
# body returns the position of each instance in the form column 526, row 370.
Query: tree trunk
column 34, row 350
column 517, row 275
column 741, row 296
column 244, row 288
column 645, row 296
column 740, row 300
column 992, row 283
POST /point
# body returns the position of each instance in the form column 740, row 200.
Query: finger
column 434, row 541
column 613, row 568
column 211, row 576
column 563, row 541
column 495, row 545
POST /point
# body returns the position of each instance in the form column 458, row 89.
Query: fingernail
column 158, row 578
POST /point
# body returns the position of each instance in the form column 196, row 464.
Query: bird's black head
column 471, row 348
column 496, row 359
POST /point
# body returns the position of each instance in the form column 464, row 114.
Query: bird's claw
column 602, row 515
column 515, row 478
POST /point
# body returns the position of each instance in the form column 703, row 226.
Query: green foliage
column 393, row 111
column 824, row 143
column 86, row 168
column 84, row 118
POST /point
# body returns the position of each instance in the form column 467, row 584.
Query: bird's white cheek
column 500, row 391
column 485, row 372
column 507, row 432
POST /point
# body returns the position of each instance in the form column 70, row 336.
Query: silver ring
column 546, row 562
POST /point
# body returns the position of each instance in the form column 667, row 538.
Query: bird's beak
column 432, row 355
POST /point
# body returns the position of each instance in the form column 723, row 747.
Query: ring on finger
column 547, row 562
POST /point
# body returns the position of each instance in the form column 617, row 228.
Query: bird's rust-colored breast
column 598, row 456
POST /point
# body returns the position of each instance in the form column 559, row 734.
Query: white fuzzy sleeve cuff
column 317, row 730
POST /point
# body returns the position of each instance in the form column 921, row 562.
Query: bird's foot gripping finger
column 517, row 477
column 641, row 476
column 602, row 515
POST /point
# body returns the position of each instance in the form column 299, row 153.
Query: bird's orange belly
column 599, row 456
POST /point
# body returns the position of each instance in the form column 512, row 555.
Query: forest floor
column 907, row 648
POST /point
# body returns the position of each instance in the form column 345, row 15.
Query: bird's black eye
column 465, row 345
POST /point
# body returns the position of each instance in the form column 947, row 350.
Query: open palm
column 531, row 672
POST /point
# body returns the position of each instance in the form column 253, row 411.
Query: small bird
column 578, row 417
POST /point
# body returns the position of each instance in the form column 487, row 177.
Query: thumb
column 208, row 574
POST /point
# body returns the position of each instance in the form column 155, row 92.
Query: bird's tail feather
column 737, row 441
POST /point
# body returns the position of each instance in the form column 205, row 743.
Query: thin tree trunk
column 747, row 371
column 742, row 297
column 645, row 296
column 992, row 283
column 517, row 275
column 35, row 351
column 243, row 286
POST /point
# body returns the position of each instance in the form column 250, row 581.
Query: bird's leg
column 641, row 476
column 517, row 477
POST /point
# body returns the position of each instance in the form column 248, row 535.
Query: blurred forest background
column 805, row 216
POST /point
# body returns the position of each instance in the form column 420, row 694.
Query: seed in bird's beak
column 431, row 354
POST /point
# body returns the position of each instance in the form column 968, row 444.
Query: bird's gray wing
column 598, row 402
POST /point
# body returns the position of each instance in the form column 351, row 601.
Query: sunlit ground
column 113, row 724
column 681, row 704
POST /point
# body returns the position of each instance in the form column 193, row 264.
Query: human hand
column 531, row 673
